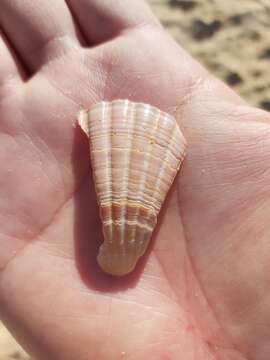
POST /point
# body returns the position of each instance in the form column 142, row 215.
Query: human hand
column 202, row 290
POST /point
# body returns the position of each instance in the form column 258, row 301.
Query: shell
column 136, row 151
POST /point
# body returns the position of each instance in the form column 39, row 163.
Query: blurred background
column 232, row 39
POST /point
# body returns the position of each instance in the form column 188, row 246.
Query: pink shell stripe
column 136, row 151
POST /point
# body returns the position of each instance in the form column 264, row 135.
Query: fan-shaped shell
column 136, row 151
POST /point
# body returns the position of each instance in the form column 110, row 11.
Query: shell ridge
column 129, row 222
column 128, row 165
column 137, row 201
column 145, row 170
column 126, row 225
column 148, row 190
column 138, row 151
column 161, row 172
column 108, row 108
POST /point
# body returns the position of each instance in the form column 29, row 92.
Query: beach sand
column 230, row 39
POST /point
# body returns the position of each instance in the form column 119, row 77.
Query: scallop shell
column 136, row 151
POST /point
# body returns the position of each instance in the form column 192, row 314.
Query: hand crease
column 45, row 227
column 61, row 43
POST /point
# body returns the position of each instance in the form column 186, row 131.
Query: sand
column 230, row 39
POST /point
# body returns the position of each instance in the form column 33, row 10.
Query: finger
column 39, row 30
column 10, row 68
column 102, row 20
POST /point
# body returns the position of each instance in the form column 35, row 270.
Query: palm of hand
column 201, row 292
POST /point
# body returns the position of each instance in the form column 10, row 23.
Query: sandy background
column 232, row 39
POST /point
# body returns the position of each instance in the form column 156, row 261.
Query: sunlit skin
column 202, row 290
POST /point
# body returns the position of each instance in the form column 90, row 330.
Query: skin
column 202, row 290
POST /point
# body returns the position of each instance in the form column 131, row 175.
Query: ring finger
column 38, row 29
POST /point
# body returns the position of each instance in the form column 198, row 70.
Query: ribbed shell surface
column 136, row 151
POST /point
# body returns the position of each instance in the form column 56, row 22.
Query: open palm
column 202, row 291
